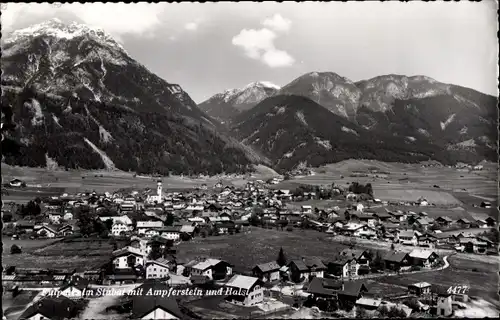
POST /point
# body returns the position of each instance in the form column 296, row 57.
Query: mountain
column 225, row 106
column 294, row 130
column 338, row 94
column 81, row 101
column 418, row 109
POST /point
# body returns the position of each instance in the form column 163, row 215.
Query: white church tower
column 159, row 192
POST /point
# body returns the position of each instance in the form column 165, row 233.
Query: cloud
column 277, row 58
column 259, row 44
column 192, row 26
column 278, row 23
column 255, row 42
column 115, row 18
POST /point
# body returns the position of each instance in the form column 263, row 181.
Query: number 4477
column 458, row 289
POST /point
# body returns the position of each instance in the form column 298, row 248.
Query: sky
column 210, row 47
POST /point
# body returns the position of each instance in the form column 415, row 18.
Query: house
column 75, row 289
column 427, row 240
column 68, row 215
column 267, row 272
column 423, row 258
column 119, row 228
column 144, row 225
column 306, row 268
column 148, row 306
column 323, row 288
column 45, row 231
column 127, row 257
column 423, row 223
column 482, row 223
column 363, row 218
column 51, row 307
column 444, row 303
column 157, row 269
column 306, row 209
column 485, row 204
column 408, row 237
column 368, row 303
column 212, row 268
column 351, row 291
column 171, row 233
column 362, row 258
column 382, row 216
column 419, row 289
column 25, row 226
column 397, row 261
column 225, row 227
column 444, row 221
column 490, row 221
column 474, row 245
column 65, row 230
column 359, row 207
column 55, row 217
column 343, row 266
column 464, row 223
column 16, row 183
column 244, row 290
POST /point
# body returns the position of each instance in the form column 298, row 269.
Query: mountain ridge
column 76, row 89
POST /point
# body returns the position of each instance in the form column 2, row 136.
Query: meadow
column 480, row 276
column 81, row 255
column 258, row 245
column 406, row 182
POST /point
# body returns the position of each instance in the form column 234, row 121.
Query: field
column 259, row 245
column 42, row 182
column 82, row 255
column 481, row 277
column 406, row 182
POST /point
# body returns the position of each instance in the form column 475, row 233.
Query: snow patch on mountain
column 51, row 163
column 423, row 132
column 467, row 144
column 447, row 122
column 324, row 143
column 465, row 101
column 108, row 163
column 301, row 117
column 464, row 130
column 35, row 108
column 281, row 110
column 349, row 130
column 57, row 29
column 412, row 139
column 56, row 120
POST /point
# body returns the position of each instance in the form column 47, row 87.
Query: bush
column 289, row 228
column 15, row 249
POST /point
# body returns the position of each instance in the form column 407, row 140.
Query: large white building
column 158, row 198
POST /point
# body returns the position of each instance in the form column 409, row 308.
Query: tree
column 392, row 247
column 155, row 252
column 109, row 224
column 15, row 249
column 85, row 221
column 169, row 221
column 281, row 258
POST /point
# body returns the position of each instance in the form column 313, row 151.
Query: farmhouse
column 127, row 257
column 343, row 266
column 474, row 245
column 45, row 231
column 248, row 291
column 305, row 268
column 157, row 269
column 419, row 289
column 144, row 225
column 408, row 237
column 423, row 258
column 267, row 272
column 212, row 268
column 147, row 305
column 444, row 221
column 51, row 308
column 74, row 289
column 397, row 261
